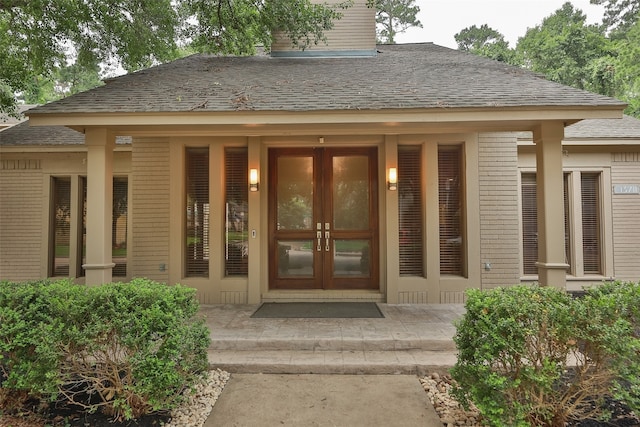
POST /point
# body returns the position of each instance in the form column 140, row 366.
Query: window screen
column 451, row 209
column 411, row 233
column 236, row 212
column 197, row 215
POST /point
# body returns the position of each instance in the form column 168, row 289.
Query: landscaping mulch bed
column 73, row 416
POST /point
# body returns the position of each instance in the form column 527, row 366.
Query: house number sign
column 626, row 189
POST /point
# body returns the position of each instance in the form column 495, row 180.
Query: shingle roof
column 7, row 120
column 627, row 127
column 22, row 134
column 407, row 76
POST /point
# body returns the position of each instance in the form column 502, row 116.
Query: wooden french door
column 323, row 218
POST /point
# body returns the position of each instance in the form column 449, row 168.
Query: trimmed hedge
column 531, row 355
column 127, row 349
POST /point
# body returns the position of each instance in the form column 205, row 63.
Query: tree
column 39, row 36
column 395, row 16
column 564, row 48
column 627, row 69
column 63, row 81
column 620, row 14
column 484, row 41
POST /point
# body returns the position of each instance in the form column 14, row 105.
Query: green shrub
column 531, row 355
column 618, row 303
column 125, row 348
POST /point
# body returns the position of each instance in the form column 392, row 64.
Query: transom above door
column 323, row 218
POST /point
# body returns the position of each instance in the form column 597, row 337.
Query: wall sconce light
column 392, row 183
column 253, row 180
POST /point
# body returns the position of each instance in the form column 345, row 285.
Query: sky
column 442, row 19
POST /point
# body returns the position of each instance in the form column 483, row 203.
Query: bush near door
column 126, row 349
column 531, row 355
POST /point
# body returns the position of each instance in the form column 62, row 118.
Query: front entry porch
column 410, row 339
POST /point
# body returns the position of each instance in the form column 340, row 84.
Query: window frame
column 574, row 223
column 77, row 225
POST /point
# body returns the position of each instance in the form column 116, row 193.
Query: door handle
column 319, row 237
column 327, row 236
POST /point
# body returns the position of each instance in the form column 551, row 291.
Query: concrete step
column 331, row 344
column 369, row 362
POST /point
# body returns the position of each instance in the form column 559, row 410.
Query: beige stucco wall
column 499, row 210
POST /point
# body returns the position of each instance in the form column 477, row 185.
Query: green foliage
column 137, row 346
column 620, row 14
column 563, row 47
column 567, row 50
column 532, row 355
column 38, row 37
column 485, row 41
column 618, row 304
column 218, row 26
column 62, row 82
column 395, row 16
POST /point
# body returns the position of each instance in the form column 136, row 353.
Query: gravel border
column 196, row 408
column 451, row 413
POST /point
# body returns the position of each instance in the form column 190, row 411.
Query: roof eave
column 569, row 114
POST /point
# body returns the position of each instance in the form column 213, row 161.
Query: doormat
column 315, row 310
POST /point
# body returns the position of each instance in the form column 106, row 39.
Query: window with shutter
column 591, row 223
column 410, row 210
column 529, row 224
column 450, row 190
column 236, row 211
column 197, row 212
column 590, row 248
column 567, row 223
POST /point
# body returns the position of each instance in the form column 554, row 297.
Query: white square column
column 551, row 263
column 99, row 265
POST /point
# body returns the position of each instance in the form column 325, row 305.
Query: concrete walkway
column 323, row 400
column 270, row 361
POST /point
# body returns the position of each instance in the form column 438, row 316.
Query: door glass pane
column 351, row 257
column 295, row 258
column 295, row 193
column 351, row 193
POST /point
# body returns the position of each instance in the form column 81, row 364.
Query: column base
column 552, row 274
column 98, row 274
